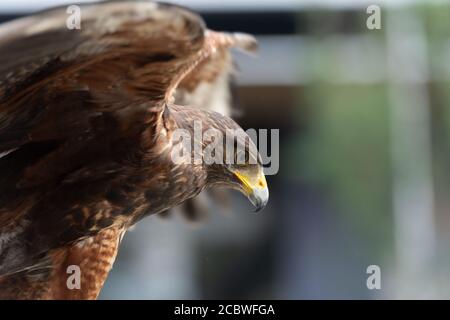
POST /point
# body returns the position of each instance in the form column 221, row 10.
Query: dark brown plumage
column 86, row 121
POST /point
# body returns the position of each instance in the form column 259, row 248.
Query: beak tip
column 259, row 207
column 259, row 199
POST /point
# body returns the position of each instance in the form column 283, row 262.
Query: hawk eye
column 242, row 157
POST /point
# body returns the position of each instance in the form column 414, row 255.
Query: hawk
column 87, row 119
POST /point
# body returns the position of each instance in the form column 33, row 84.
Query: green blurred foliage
column 437, row 20
column 346, row 153
column 345, row 149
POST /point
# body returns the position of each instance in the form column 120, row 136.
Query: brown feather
column 94, row 256
column 86, row 119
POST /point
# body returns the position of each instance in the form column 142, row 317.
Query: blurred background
column 364, row 179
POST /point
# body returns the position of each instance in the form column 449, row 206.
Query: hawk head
column 219, row 147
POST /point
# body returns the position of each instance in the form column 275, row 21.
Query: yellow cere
column 248, row 185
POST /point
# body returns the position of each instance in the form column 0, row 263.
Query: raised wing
column 208, row 86
column 125, row 61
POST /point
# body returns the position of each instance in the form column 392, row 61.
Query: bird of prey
column 87, row 119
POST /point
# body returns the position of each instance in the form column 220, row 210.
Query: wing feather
column 127, row 53
column 48, row 279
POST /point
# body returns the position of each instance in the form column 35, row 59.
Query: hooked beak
column 255, row 189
